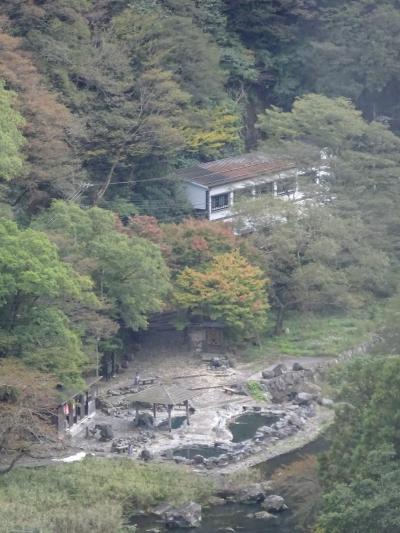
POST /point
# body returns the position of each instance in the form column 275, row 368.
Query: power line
column 73, row 196
column 204, row 174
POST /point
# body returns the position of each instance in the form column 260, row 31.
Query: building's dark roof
column 167, row 321
column 68, row 394
column 207, row 324
column 163, row 394
column 232, row 169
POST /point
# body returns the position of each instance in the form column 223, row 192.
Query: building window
column 243, row 193
column 265, row 188
column 286, row 186
column 220, row 201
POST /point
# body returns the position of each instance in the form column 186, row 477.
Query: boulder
column 274, row 504
column 278, row 370
column 106, row 431
column 295, row 420
column 216, row 362
column 267, row 431
column 326, row 402
column 227, row 493
column 111, row 392
column 311, row 388
column 146, row 455
column 198, row 459
column 222, row 459
column 182, row 460
column 304, row 398
column 186, row 516
column 267, row 374
column 252, row 494
column 103, row 405
column 239, row 388
column 266, row 485
column 143, row 420
column 263, row 515
column 214, row 500
column 168, row 454
column 297, row 366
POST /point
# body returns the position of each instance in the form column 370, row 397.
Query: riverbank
column 95, row 495
column 314, row 428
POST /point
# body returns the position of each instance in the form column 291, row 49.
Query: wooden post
column 187, row 412
column 154, row 410
column 169, row 417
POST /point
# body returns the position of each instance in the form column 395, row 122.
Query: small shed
column 206, row 336
column 165, row 395
column 77, row 406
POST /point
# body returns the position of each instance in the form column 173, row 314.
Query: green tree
column 359, row 42
column 53, row 166
column 368, row 503
column 171, row 42
column 229, row 290
column 11, row 138
column 129, row 274
column 316, row 261
column 333, row 124
column 360, row 160
column 361, row 470
column 145, row 81
column 34, row 287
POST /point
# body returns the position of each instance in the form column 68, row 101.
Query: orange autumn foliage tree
column 53, row 168
column 194, row 243
column 230, row 290
column 191, row 243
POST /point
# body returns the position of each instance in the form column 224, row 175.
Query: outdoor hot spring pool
column 206, row 451
column 245, row 426
column 176, row 422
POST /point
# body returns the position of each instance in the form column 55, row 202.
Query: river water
column 295, row 478
column 295, row 474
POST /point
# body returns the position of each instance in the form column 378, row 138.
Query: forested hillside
column 103, row 101
column 118, row 92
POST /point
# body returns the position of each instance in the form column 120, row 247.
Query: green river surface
column 295, row 478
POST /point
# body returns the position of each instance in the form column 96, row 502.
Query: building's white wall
column 249, row 183
column 232, row 187
column 196, row 195
column 221, row 213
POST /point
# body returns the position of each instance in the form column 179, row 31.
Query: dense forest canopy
column 125, row 92
column 102, row 101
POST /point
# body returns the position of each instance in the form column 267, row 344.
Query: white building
column 212, row 188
